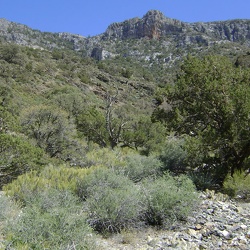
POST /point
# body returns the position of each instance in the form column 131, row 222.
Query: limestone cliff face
column 153, row 25
column 232, row 30
column 24, row 35
column 152, row 38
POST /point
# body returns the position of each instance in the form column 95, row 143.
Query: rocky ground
column 216, row 223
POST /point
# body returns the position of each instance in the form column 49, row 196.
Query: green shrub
column 8, row 209
column 173, row 155
column 113, row 201
column 60, row 178
column 168, row 198
column 138, row 167
column 127, row 73
column 68, row 98
column 106, row 157
column 52, row 220
column 238, row 185
column 17, row 157
column 50, row 128
column 9, row 212
column 103, row 178
column 203, row 180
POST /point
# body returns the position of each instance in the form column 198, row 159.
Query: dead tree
column 114, row 128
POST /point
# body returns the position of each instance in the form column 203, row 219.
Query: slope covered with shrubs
column 104, row 146
column 67, row 201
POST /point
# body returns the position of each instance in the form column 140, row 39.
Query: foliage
column 105, row 157
column 50, row 128
column 51, row 177
column 9, row 53
column 91, row 123
column 238, row 185
column 211, row 102
column 117, row 128
column 127, row 73
column 5, row 95
column 8, row 210
column 168, row 198
column 146, row 135
column 17, row 157
column 102, row 177
column 203, row 180
column 52, row 220
column 113, row 201
column 68, row 98
column 8, row 110
column 243, row 61
column 173, row 155
column 138, row 167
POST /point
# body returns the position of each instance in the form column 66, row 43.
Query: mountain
column 155, row 25
column 153, row 39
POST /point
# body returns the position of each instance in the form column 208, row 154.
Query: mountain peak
column 155, row 14
column 152, row 25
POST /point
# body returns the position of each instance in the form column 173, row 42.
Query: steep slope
column 23, row 35
column 153, row 38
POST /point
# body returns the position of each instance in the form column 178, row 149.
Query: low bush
column 173, row 155
column 17, row 157
column 60, row 178
column 238, row 185
column 112, row 201
column 9, row 212
column 138, row 167
column 203, row 180
column 168, row 198
column 105, row 156
column 52, row 219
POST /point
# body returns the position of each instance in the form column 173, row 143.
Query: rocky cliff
column 23, row 35
column 153, row 38
column 155, row 25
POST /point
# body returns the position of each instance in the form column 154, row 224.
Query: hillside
column 123, row 132
column 112, row 87
column 118, row 79
column 153, row 37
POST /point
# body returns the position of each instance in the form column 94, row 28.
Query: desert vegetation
column 93, row 147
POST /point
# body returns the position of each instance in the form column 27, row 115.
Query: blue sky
column 92, row 17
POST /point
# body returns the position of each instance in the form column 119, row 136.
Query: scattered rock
column 217, row 223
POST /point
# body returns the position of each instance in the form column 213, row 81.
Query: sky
column 92, row 17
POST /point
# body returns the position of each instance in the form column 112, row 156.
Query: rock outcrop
column 155, row 25
column 154, row 38
column 23, row 35
column 152, row 25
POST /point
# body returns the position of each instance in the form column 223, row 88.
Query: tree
column 91, row 123
column 17, row 157
column 243, row 61
column 9, row 53
column 210, row 103
column 50, row 128
column 8, row 109
column 145, row 135
column 68, row 98
column 115, row 127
